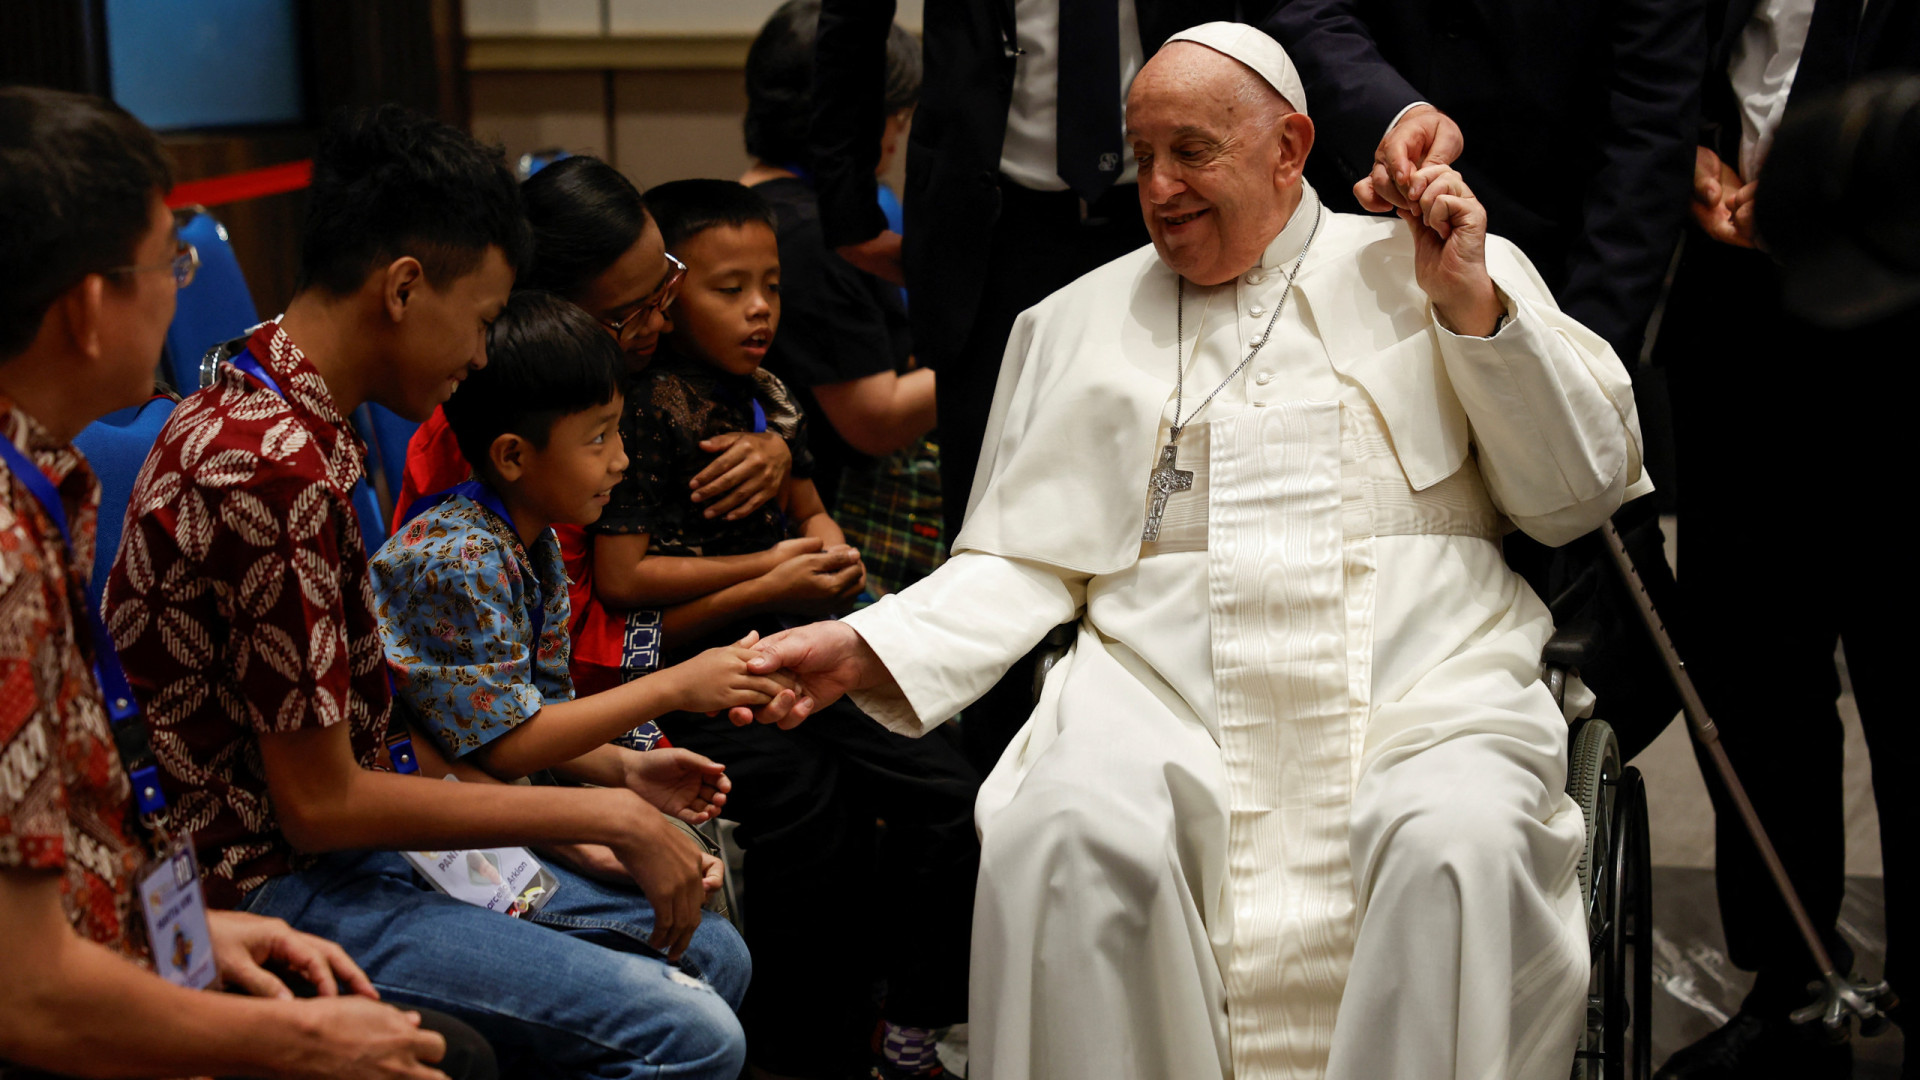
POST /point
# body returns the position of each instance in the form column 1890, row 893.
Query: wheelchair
column 1616, row 1037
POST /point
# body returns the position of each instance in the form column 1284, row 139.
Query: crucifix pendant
column 1164, row 481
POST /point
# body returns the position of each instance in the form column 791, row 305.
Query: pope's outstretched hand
column 826, row 659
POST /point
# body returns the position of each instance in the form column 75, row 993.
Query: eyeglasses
column 184, row 264
column 629, row 328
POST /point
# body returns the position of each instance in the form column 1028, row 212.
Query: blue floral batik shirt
column 452, row 590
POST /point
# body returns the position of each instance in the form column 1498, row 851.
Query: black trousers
column 832, row 903
column 1789, row 477
column 1041, row 243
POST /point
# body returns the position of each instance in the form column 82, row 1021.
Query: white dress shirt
column 1029, row 156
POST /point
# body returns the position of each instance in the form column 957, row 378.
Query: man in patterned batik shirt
column 84, row 303
column 242, row 604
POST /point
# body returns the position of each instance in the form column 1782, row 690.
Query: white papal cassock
column 1292, row 806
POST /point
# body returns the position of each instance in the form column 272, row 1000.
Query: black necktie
column 1087, row 135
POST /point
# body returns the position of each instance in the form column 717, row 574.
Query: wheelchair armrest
column 1570, row 648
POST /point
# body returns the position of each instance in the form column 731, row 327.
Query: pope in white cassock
column 1292, row 806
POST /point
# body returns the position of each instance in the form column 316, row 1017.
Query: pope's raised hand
column 1450, row 256
column 1423, row 136
column 826, row 659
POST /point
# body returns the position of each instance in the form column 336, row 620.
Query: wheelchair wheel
column 1615, row 891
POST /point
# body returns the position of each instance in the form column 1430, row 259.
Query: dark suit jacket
column 1579, row 118
column 953, row 152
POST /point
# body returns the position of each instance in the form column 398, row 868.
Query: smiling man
column 1293, row 804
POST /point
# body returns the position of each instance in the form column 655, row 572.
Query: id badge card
column 176, row 914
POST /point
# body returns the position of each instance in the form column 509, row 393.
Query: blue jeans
column 574, row 991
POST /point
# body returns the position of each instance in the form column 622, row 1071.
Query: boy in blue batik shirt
column 472, row 595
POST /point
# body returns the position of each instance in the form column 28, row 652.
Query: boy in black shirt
column 806, row 800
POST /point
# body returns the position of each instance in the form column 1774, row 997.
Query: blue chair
column 217, row 307
column 116, row 446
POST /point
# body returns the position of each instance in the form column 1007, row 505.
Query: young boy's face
column 444, row 336
column 729, row 307
column 569, row 479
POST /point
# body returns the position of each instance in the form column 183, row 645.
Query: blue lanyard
column 245, row 362
column 759, row 417
column 123, row 709
column 489, row 498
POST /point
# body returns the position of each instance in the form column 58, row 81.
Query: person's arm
column 921, row 655
column 849, row 110
column 1635, row 201
column 563, row 731
column 809, row 515
column 882, row 412
column 326, row 802
column 1550, row 405
column 78, row 1008
column 1353, row 92
column 626, row 575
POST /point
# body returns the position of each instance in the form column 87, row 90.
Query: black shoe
column 1751, row 1047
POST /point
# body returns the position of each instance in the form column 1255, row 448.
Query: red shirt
column 241, row 602
column 65, row 804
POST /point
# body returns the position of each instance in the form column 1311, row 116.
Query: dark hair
column 546, row 359
column 687, row 208
column 78, row 177
column 585, row 215
column 780, row 81
column 389, row 182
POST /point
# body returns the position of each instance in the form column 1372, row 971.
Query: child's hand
column 718, row 680
column 859, row 582
column 817, row 584
column 714, row 872
column 679, row 782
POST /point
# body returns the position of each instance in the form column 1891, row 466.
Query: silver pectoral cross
column 1164, row 481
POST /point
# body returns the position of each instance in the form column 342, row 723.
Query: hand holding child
column 680, row 782
column 718, row 679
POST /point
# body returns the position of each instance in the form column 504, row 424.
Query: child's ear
column 508, row 456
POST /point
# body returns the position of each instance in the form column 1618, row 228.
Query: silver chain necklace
column 1165, row 479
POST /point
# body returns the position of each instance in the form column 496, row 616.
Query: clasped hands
column 1413, row 177
column 1722, row 201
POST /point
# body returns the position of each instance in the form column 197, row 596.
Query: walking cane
column 1841, row 998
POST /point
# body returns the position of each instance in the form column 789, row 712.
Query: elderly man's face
column 1220, row 156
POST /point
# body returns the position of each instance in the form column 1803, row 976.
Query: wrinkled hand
column 242, row 943
column 666, row 864
column 1424, row 136
column 881, row 256
column 351, row 1038
column 820, row 584
column 1450, row 252
column 748, row 471
column 825, row 659
column 718, row 679
column 679, row 782
column 1722, row 202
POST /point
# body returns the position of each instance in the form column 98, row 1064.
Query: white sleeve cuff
column 1399, row 116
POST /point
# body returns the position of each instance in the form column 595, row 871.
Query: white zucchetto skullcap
column 1255, row 49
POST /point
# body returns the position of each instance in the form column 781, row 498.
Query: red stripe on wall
column 241, row 186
